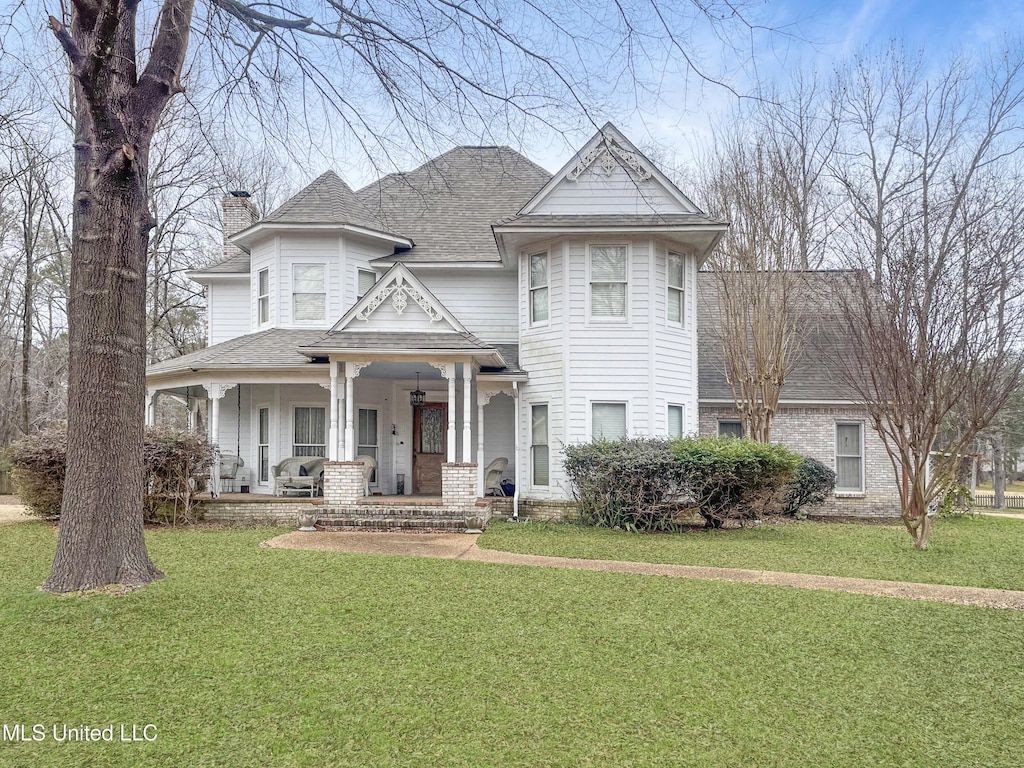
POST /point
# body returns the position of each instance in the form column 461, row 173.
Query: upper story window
column 309, row 293
column 608, row 268
column 676, row 302
column 850, row 458
column 263, row 295
column 539, row 312
column 608, row 421
column 366, row 278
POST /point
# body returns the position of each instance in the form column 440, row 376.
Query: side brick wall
column 811, row 431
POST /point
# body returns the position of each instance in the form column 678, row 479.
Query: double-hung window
column 539, row 458
column 608, row 421
column 263, row 295
column 608, row 281
column 676, row 294
column 309, row 292
column 539, row 311
column 310, row 432
column 850, row 458
column 264, row 444
column 675, row 421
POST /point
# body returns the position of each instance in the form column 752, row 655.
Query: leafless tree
column 767, row 177
column 935, row 320
column 422, row 66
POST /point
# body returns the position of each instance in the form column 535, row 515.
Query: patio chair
column 369, row 464
column 492, row 476
column 230, row 468
column 298, row 473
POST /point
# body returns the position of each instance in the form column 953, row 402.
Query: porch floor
column 411, row 500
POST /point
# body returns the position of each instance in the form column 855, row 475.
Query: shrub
column 177, row 464
column 632, row 484
column 732, row 478
column 37, row 463
column 813, row 484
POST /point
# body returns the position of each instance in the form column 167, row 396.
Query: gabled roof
column 814, row 376
column 609, row 151
column 446, row 206
column 402, row 287
column 327, row 200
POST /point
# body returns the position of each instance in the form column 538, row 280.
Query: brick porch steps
column 451, row 525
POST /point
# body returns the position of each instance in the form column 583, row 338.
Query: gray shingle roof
column 814, row 376
column 267, row 349
column 447, row 206
column 237, row 263
column 327, row 200
column 343, row 340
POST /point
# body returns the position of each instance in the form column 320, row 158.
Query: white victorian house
column 475, row 308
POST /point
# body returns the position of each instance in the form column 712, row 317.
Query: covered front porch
column 411, row 417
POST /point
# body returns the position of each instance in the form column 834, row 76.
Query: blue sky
column 822, row 35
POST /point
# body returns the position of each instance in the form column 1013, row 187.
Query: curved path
column 460, row 546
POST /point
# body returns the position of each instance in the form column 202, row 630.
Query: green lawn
column 977, row 552
column 247, row 656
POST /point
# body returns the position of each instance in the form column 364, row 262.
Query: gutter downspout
column 515, row 493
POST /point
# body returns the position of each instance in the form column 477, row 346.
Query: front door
column 430, row 429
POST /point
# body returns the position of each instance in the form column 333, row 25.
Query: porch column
column 215, row 392
column 450, row 375
column 332, row 449
column 350, row 430
column 482, row 399
column 467, row 413
column 351, row 372
column 150, row 407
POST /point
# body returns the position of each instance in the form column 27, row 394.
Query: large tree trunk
column 101, row 535
column 998, row 472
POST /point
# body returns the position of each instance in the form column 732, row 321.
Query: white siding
column 575, row 361
column 595, row 193
column 235, row 433
column 483, row 300
column 227, row 307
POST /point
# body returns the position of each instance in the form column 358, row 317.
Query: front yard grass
column 975, row 552
column 247, row 656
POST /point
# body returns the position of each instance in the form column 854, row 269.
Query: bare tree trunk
column 101, row 534
column 999, row 471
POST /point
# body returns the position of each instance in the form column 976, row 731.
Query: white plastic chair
column 369, row 464
column 492, row 476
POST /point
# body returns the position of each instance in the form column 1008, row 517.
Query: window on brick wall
column 850, row 457
column 730, row 428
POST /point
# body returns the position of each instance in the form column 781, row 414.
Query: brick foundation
column 534, row 509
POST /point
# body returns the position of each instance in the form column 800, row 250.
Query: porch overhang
column 405, row 346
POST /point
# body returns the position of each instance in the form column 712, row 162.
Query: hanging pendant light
column 417, row 396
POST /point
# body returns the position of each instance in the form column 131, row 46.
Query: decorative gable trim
column 400, row 286
column 610, row 156
column 611, row 150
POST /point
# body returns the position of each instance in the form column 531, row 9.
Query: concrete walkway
column 463, row 547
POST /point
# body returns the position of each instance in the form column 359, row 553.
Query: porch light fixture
column 417, row 396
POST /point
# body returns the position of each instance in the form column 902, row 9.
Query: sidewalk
column 463, row 547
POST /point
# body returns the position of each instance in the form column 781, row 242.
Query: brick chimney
column 239, row 213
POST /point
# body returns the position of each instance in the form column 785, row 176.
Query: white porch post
column 150, row 407
column 481, row 400
column 450, row 375
column 351, row 372
column 215, row 392
column 332, row 449
column 350, row 429
column 467, row 413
